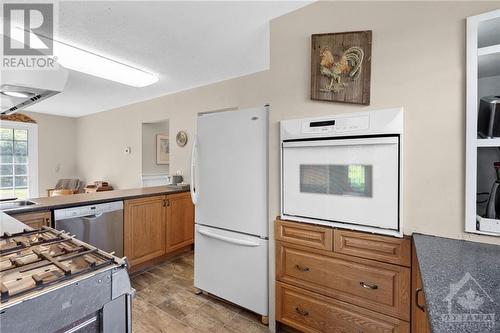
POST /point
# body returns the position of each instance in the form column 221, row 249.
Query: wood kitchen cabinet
column 35, row 220
column 335, row 280
column 313, row 313
column 144, row 228
column 370, row 284
column 420, row 320
column 158, row 226
column 180, row 221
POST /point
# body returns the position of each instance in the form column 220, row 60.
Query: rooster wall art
column 347, row 66
column 341, row 67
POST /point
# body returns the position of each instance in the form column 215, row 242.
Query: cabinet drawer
column 382, row 248
column 310, row 312
column 373, row 285
column 304, row 234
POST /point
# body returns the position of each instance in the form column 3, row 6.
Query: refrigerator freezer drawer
column 232, row 266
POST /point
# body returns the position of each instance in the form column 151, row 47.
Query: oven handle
column 389, row 140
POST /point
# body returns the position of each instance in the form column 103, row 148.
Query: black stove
column 52, row 282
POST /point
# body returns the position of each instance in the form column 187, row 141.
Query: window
column 18, row 160
column 346, row 180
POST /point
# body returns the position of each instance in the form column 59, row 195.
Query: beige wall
column 104, row 135
column 149, row 133
column 56, row 149
column 418, row 62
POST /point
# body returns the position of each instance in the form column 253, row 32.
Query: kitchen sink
column 15, row 204
column 180, row 186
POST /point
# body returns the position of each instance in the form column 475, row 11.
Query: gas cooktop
column 33, row 260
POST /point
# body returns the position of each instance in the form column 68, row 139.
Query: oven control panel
column 336, row 125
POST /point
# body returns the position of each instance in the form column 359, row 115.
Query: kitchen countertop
column 10, row 224
column 461, row 281
column 94, row 198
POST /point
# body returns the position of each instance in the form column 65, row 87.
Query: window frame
column 32, row 129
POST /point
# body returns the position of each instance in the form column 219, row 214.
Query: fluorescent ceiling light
column 93, row 64
column 90, row 63
column 19, row 94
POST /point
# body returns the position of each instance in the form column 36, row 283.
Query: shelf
column 488, row 31
column 484, row 233
column 489, row 64
column 488, row 142
column 483, row 51
column 483, row 79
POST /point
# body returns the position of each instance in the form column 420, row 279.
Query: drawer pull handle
column 421, row 307
column 301, row 312
column 302, row 268
column 368, row 286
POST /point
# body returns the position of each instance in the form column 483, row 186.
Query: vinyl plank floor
column 165, row 302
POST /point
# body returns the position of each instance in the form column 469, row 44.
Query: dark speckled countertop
column 461, row 281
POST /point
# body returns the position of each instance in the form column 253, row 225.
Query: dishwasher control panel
column 88, row 210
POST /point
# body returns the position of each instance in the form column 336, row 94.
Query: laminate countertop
column 461, row 284
column 64, row 201
column 10, row 224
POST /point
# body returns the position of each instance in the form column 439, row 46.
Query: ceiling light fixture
column 94, row 64
column 18, row 94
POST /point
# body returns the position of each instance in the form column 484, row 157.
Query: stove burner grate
column 35, row 259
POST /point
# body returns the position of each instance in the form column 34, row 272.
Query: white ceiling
column 187, row 44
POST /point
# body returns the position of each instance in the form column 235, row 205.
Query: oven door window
column 353, row 181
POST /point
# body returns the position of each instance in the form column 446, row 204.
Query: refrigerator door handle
column 241, row 242
column 194, row 161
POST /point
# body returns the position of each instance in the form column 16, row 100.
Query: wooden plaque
column 341, row 66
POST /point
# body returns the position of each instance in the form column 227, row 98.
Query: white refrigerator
column 229, row 189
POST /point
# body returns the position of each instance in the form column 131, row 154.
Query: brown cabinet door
column 144, row 229
column 180, row 221
column 35, row 220
column 419, row 320
column 313, row 313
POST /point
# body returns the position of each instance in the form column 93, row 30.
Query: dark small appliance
column 488, row 120
column 493, row 206
column 177, row 179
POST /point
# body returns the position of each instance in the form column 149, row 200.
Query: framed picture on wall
column 162, row 149
column 341, row 67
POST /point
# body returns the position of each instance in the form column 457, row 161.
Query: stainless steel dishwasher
column 100, row 225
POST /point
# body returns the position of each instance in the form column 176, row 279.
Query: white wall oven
column 344, row 170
